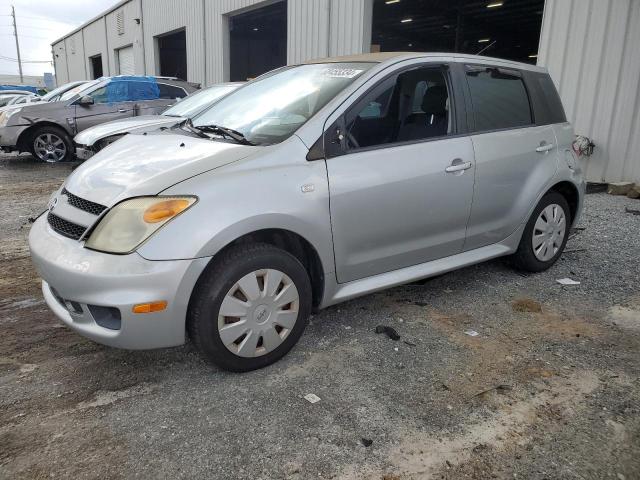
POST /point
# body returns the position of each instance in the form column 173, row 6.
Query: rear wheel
column 250, row 307
column 51, row 144
column 545, row 234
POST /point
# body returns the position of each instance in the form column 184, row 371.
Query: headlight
column 6, row 115
column 131, row 222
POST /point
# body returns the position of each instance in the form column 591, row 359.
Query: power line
column 9, row 59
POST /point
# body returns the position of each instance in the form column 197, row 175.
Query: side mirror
column 86, row 100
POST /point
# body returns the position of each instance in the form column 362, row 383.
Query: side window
column 499, row 99
column 411, row 106
column 99, row 95
column 547, row 106
column 171, row 92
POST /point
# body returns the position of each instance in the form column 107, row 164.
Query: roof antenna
column 488, row 46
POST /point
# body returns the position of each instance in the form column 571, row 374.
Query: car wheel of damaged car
column 50, row 144
column 545, row 234
column 250, row 307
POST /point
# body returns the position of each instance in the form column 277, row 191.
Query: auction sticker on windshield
column 342, row 72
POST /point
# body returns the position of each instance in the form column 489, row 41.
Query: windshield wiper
column 186, row 124
column 225, row 132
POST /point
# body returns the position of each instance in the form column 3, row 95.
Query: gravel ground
column 549, row 389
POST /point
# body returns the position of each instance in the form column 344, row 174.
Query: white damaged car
column 92, row 140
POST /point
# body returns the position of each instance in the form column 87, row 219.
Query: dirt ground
column 548, row 389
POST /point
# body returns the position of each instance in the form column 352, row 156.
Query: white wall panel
column 74, row 46
column 60, row 62
column 132, row 35
column 350, row 30
column 591, row 50
column 165, row 16
column 95, row 43
column 307, row 29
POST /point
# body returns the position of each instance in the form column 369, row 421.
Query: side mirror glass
column 86, row 100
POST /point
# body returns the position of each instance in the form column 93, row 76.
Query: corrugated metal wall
column 74, row 46
column 131, row 35
column 95, row 44
column 60, row 62
column 315, row 28
column 591, row 50
column 164, row 16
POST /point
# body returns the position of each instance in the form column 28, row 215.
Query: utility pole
column 15, row 34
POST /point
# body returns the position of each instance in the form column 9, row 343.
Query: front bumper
column 83, row 152
column 76, row 280
column 9, row 135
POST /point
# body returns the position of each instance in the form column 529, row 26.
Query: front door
column 401, row 191
column 108, row 104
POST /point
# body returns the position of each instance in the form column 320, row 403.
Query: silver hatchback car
column 309, row 186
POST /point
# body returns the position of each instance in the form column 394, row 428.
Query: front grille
column 82, row 204
column 65, row 227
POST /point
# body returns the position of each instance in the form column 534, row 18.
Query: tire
column 208, row 322
column 526, row 257
column 51, row 144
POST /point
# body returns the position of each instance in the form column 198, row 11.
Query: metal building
column 588, row 46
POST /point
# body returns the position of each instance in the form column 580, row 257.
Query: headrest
column 434, row 101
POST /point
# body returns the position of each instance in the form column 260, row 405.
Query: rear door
column 516, row 159
column 168, row 96
column 107, row 106
column 401, row 181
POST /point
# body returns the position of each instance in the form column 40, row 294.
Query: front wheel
column 545, row 234
column 250, row 307
column 51, row 144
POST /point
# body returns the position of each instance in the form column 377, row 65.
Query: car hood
column 91, row 135
column 138, row 165
column 31, row 112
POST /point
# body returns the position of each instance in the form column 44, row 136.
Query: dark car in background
column 46, row 129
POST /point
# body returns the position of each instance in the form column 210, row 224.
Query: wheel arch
column 293, row 243
column 27, row 133
column 570, row 193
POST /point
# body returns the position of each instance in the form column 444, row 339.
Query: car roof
column 393, row 57
column 16, row 92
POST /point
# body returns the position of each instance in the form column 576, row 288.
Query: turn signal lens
column 164, row 210
column 149, row 307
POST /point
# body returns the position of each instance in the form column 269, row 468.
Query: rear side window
column 499, row 99
column 171, row 92
column 546, row 102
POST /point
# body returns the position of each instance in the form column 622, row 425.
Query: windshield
column 80, row 89
column 5, row 99
column 59, row 90
column 196, row 102
column 270, row 109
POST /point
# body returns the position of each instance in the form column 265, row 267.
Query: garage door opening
column 172, row 55
column 258, row 41
column 507, row 29
column 96, row 66
column 126, row 61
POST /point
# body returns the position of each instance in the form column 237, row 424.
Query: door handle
column 458, row 166
column 545, row 147
column 122, row 110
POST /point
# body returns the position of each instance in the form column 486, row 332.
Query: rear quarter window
column 546, row 102
column 499, row 98
column 171, row 92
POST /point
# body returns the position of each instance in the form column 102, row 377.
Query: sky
column 40, row 22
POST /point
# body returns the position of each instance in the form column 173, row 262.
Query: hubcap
column 549, row 232
column 258, row 313
column 49, row 147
